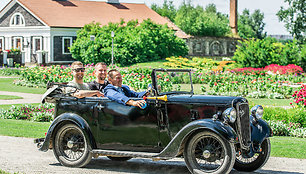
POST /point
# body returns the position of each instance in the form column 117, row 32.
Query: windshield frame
column 154, row 81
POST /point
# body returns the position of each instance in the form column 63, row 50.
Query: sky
column 268, row 7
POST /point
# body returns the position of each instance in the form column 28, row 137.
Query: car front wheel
column 207, row 152
column 249, row 164
column 70, row 146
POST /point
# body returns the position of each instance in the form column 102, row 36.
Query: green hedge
column 294, row 115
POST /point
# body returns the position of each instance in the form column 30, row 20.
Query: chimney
column 233, row 16
column 113, row 1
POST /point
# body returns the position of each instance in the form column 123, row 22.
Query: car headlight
column 257, row 111
column 230, row 114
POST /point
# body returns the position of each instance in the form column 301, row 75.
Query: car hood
column 205, row 99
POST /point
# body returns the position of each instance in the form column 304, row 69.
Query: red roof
column 76, row 13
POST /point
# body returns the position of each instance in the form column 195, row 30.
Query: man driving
column 121, row 93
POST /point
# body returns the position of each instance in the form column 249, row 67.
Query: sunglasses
column 79, row 69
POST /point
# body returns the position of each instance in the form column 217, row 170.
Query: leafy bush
column 295, row 115
column 259, row 53
column 133, row 43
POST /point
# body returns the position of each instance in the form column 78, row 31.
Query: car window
column 170, row 81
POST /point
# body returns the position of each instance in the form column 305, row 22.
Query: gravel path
column 21, row 155
column 27, row 98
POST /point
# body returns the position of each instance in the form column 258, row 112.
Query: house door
column 36, row 46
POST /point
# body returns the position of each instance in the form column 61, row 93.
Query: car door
column 123, row 127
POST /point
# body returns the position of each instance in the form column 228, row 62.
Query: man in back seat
column 82, row 89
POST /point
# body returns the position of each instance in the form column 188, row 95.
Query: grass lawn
column 22, row 128
column 270, row 102
column 290, row 147
column 153, row 64
column 6, row 84
column 9, row 97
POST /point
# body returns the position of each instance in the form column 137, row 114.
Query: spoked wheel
column 119, row 158
column 207, row 152
column 70, row 146
column 255, row 162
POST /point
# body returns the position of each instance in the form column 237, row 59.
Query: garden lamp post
column 113, row 34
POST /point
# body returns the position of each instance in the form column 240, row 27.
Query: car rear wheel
column 70, row 146
column 207, row 152
column 249, row 164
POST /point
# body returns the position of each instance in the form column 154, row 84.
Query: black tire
column 70, row 146
column 119, row 158
column 207, row 152
column 255, row 162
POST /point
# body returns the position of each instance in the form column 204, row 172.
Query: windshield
column 173, row 82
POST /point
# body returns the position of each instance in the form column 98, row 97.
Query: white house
column 49, row 26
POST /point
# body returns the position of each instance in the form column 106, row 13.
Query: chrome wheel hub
column 70, row 144
column 206, row 154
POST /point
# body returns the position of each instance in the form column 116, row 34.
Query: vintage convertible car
column 212, row 133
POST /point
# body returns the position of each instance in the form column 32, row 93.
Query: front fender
column 217, row 127
column 260, row 130
column 69, row 117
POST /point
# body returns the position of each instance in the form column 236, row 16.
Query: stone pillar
column 9, row 43
column 46, row 48
column 39, row 57
column 4, row 57
column 23, row 57
column 27, row 49
column 233, row 16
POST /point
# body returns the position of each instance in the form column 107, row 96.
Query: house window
column 1, row 44
column 37, row 44
column 17, row 43
column 17, row 20
column 67, row 43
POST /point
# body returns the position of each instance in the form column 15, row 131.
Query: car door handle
column 100, row 107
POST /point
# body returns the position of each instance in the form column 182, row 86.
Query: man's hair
column 111, row 73
column 76, row 63
column 100, row 63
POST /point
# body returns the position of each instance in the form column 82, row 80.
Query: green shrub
column 295, row 115
column 133, row 43
column 259, row 53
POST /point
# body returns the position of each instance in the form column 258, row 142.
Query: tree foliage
column 251, row 25
column 167, row 9
column 197, row 21
column 295, row 18
column 133, row 43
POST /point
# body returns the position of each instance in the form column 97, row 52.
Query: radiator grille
column 244, row 124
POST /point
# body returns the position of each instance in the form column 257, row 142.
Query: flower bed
column 41, row 113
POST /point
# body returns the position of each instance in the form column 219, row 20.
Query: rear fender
column 173, row 148
column 71, row 118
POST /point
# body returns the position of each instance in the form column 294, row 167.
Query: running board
column 154, row 156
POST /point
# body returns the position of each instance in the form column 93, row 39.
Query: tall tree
column 167, row 9
column 199, row 22
column 295, row 18
column 251, row 25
